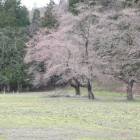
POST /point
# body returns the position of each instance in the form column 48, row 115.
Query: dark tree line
column 13, row 14
column 13, row 22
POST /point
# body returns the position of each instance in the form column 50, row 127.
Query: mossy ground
column 33, row 117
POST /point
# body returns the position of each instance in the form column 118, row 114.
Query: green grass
column 33, row 117
column 2, row 138
column 104, row 94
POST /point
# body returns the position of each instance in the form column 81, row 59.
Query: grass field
column 33, row 116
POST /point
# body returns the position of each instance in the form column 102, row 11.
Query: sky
column 39, row 3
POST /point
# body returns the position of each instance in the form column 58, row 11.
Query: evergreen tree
column 49, row 20
column 12, row 44
column 13, row 14
column 72, row 6
column 36, row 16
column 12, row 51
column 35, row 24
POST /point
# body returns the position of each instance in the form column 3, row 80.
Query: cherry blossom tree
column 114, row 36
column 120, row 46
column 83, row 47
column 65, row 51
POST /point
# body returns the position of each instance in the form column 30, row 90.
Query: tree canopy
column 49, row 20
column 13, row 14
column 96, row 41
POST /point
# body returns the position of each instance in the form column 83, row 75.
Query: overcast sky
column 39, row 3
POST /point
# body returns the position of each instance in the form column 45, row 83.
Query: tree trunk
column 90, row 93
column 129, row 91
column 21, row 88
column 4, row 89
column 76, row 86
column 27, row 88
column 77, row 90
column 18, row 87
column 89, row 85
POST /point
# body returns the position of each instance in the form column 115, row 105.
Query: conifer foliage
column 13, row 22
column 49, row 20
column 13, row 14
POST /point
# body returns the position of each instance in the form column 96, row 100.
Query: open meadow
column 33, row 116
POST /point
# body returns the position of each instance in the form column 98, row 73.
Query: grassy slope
column 35, row 118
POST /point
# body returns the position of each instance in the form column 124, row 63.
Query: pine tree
column 36, row 16
column 49, row 20
column 12, row 51
column 13, row 14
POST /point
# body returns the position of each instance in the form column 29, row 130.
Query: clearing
column 31, row 116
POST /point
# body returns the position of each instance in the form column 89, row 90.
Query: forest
column 75, row 42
